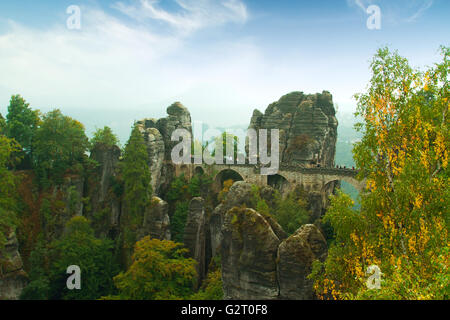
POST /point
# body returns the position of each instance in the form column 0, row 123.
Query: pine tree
column 136, row 177
column 21, row 125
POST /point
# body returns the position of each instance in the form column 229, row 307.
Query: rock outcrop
column 295, row 257
column 158, row 134
column 238, row 195
column 248, row 250
column 155, row 149
column 100, row 190
column 195, row 235
column 63, row 203
column 13, row 278
column 259, row 260
column 156, row 221
column 308, row 128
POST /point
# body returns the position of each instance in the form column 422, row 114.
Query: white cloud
column 112, row 72
column 425, row 6
column 192, row 14
column 112, row 67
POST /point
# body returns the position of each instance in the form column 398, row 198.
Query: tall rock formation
column 62, row 203
column 248, row 250
column 156, row 221
column 12, row 276
column 308, row 128
column 157, row 135
column 155, row 149
column 295, row 257
column 238, row 195
column 259, row 260
column 104, row 208
column 195, row 235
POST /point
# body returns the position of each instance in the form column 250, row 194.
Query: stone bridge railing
column 314, row 178
column 321, row 170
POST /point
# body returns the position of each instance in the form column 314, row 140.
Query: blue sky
column 220, row 58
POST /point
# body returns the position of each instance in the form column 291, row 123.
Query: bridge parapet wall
column 312, row 179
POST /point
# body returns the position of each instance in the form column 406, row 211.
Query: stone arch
column 322, row 199
column 278, row 182
column 199, row 171
column 358, row 185
column 226, row 174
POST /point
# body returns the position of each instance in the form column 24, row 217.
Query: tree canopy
column 159, row 271
column 21, row 122
column 402, row 226
column 60, row 143
column 78, row 246
column 8, row 186
column 104, row 137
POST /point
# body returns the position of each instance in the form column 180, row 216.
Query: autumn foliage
column 402, row 226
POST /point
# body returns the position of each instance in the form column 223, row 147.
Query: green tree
column 223, row 140
column 2, row 125
column 39, row 286
column 136, row 180
column 290, row 211
column 199, row 185
column 60, row 144
column 104, row 137
column 80, row 247
column 178, row 220
column 212, row 287
column 8, row 186
column 21, row 124
column 160, row 271
column 402, row 226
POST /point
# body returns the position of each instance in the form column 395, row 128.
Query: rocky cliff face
column 249, row 250
column 295, row 257
column 62, row 203
column 100, row 190
column 157, row 134
column 307, row 124
column 239, row 194
column 259, row 261
column 156, row 221
column 12, row 276
column 195, row 235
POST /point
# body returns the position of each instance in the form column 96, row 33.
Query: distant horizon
column 123, row 131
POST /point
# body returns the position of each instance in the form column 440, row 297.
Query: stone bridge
column 313, row 179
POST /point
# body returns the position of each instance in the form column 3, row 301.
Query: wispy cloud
column 396, row 11
column 114, row 65
column 425, row 6
column 190, row 15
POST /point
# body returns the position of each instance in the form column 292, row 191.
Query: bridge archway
column 225, row 175
column 199, row 171
column 358, row 185
column 278, row 182
column 328, row 189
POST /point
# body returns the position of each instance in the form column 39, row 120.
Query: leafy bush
column 160, row 271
